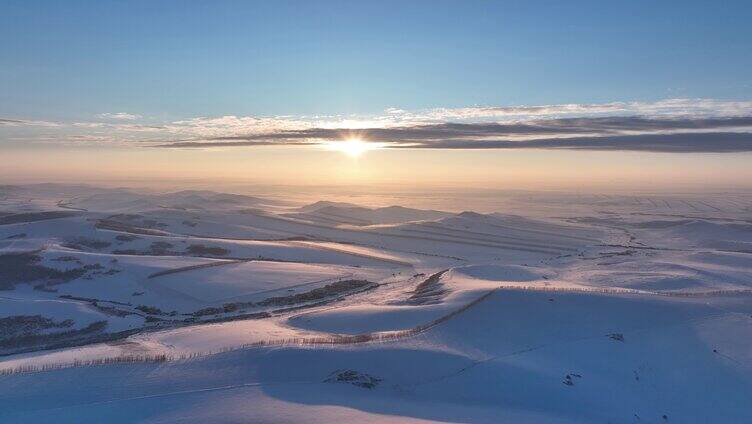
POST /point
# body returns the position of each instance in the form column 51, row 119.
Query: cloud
column 651, row 126
column 240, row 126
column 123, row 116
column 659, row 143
column 205, row 144
column 10, row 122
column 207, row 127
column 27, row 123
column 521, row 129
column 664, row 108
column 599, row 133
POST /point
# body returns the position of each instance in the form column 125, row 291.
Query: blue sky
column 180, row 59
column 485, row 94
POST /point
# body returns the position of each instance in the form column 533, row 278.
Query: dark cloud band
column 660, row 143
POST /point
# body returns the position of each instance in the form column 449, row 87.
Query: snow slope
column 558, row 308
column 511, row 357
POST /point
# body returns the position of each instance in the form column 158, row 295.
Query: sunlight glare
column 353, row 147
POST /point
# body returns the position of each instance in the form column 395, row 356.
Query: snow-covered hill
column 212, row 307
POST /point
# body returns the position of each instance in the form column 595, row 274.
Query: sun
column 352, row 147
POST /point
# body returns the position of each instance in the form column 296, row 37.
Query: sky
column 507, row 94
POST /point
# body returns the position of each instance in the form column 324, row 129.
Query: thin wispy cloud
column 10, row 122
column 662, row 108
column 4, row 122
column 122, row 116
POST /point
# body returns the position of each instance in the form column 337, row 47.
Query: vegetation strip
column 305, row 341
column 194, row 267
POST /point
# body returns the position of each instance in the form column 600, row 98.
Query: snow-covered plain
column 197, row 306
